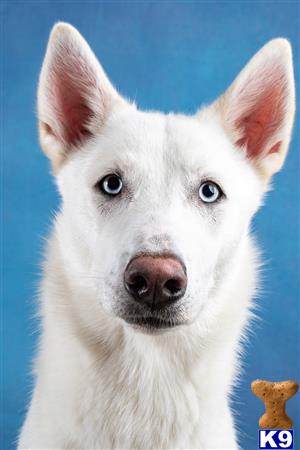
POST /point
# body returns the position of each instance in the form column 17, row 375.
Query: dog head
column 156, row 208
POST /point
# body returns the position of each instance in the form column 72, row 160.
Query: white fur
column 101, row 384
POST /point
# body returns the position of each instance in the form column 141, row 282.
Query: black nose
column 155, row 280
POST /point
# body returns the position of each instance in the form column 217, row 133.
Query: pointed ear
column 74, row 94
column 257, row 111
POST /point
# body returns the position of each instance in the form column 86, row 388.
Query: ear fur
column 74, row 94
column 257, row 110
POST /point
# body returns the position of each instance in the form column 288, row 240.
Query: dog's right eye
column 111, row 184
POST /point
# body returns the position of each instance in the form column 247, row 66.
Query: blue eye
column 111, row 184
column 209, row 192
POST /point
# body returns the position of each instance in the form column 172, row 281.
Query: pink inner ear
column 71, row 85
column 263, row 119
column 73, row 109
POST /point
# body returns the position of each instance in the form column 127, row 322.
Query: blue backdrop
column 168, row 55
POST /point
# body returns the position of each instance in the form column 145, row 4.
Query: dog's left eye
column 111, row 184
column 209, row 192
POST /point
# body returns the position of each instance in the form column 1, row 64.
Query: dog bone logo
column 275, row 396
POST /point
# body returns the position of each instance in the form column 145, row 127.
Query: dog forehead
column 156, row 135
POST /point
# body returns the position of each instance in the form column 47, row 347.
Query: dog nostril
column 138, row 284
column 173, row 286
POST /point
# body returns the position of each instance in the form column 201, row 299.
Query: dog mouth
column 151, row 323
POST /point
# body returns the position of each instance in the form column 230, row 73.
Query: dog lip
column 150, row 322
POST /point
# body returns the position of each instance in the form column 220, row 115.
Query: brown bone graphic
column 275, row 396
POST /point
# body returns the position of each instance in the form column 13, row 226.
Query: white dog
column 150, row 268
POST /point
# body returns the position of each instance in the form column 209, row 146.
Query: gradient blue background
column 168, row 56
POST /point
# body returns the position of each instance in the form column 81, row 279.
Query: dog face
column 156, row 207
